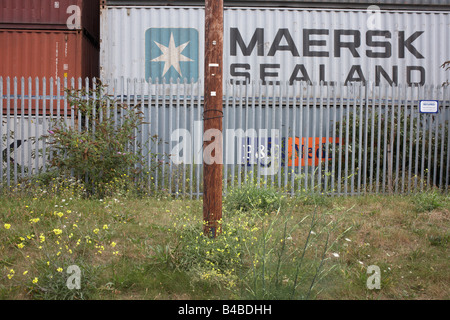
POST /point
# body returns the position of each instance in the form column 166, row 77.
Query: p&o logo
column 171, row 53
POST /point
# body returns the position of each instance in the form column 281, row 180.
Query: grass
column 152, row 247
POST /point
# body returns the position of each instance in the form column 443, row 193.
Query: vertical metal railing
column 332, row 139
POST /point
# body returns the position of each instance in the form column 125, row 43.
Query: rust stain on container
column 49, row 54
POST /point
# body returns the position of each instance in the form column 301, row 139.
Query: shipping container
column 348, row 4
column 52, row 15
column 32, row 54
column 278, row 45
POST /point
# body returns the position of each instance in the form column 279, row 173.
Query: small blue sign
column 429, row 106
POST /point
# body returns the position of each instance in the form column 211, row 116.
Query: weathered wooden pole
column 212, row 118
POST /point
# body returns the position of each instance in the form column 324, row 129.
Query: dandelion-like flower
column 11, row 274
column 7, row 226
column 59, row 214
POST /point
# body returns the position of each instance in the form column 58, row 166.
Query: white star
column 172, row 55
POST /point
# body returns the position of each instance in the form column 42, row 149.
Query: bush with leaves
column 250, row 197
column 101, row 152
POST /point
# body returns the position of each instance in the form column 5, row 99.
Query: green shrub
column 251, row 197
column 101, row 153
column 428, row 201
column 258, row 255
column 214, row 262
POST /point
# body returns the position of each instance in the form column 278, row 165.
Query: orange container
column 49, row 54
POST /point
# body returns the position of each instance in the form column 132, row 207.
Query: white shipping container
column 278, row 45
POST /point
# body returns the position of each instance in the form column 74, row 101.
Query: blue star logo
column 171, row 53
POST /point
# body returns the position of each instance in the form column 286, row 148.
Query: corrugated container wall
column 45, row 54
column 31, row 53
column 48, row 39
column 343, row 4
column 52, row 15
column 279, row 45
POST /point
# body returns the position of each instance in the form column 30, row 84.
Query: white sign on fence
column 429, row 106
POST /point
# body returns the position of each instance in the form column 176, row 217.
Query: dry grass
column 410, row 246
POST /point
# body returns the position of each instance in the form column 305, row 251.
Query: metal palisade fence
column 327, row 138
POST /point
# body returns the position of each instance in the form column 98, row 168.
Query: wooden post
column 212, row 116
